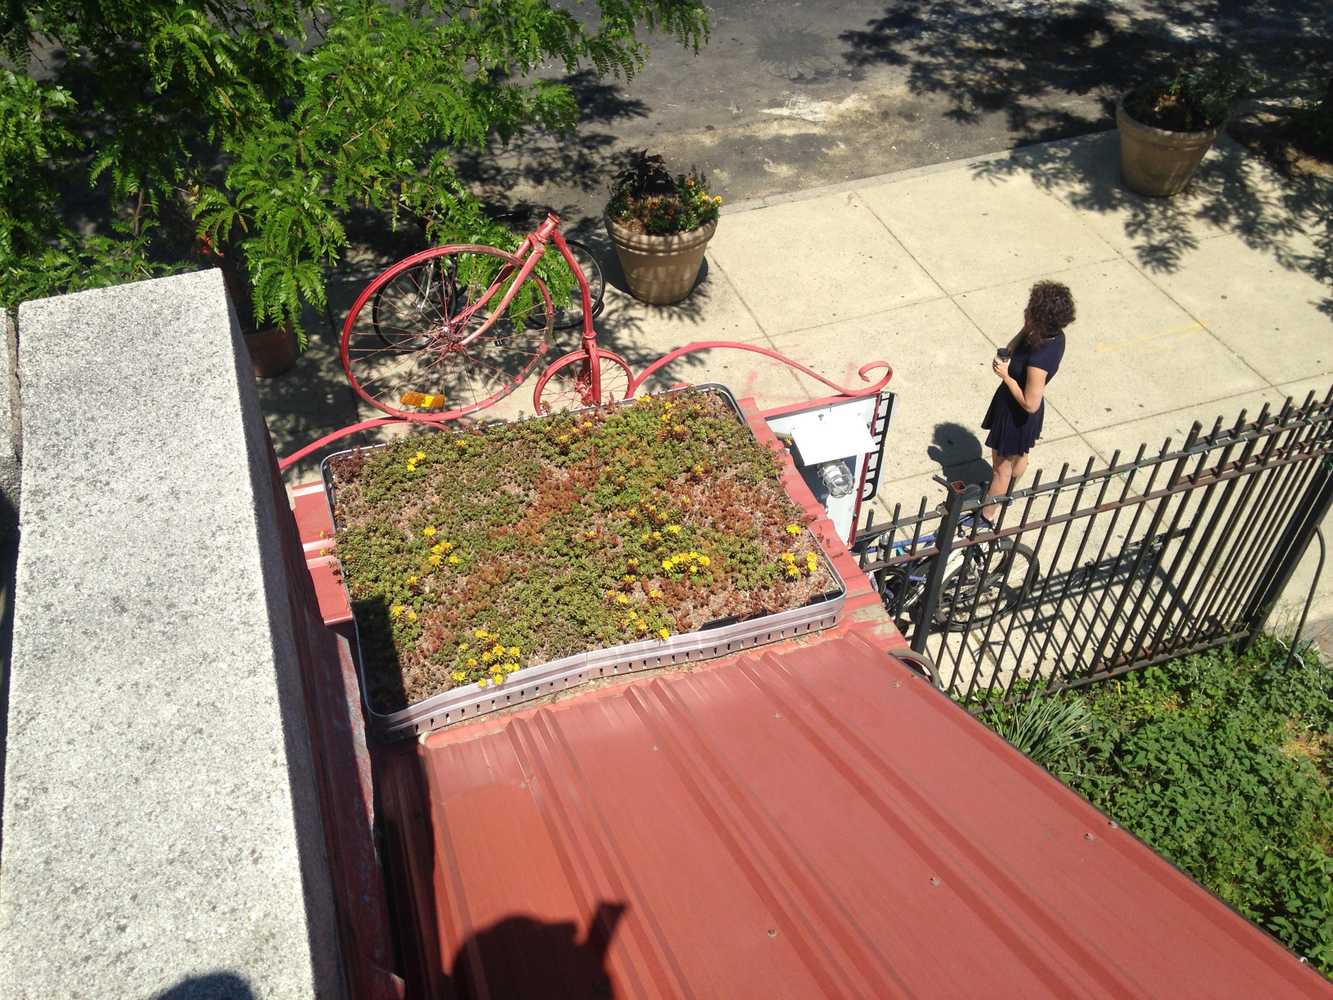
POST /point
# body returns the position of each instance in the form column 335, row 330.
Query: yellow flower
column 694, row 569
column 654, row 593
column 446, row 546
column 664, row 633
column 622, row 599
column 429, row 532
column 420, row 456
column 471, row 661
column 793, row 572
column 463, row 647
column 668, row 565
column 793, row 529
column 497, row 679
column 435, row 560
column 498, row 650
column 673, row 528
column 458, row 675
column 396, row 610
column 787, row 557
column 705, row 561
column 513, row 651
column 510, row 667
column 411, row 615
column 487, row 656
column 411, row 581
column 480, row 633
column 482, row 683
column 453, row 560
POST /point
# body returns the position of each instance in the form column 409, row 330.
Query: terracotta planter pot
column 272, row 350
column 660, row 269
column 1154, row 161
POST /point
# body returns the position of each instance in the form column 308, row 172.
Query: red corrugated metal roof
column 815, row 822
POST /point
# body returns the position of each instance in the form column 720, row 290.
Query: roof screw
column 777, row 715
column 1089, row 836
column 772, row 932
column 1113, row 824
column 935, row 880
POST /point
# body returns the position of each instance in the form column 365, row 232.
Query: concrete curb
column 807, row 194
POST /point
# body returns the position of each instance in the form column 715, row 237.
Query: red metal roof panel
column 814, row 822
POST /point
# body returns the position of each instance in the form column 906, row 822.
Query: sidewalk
column 1191, row 308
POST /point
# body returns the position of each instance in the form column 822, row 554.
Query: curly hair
column 1050, row 309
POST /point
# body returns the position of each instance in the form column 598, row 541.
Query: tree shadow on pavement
column 514, row 178
column 1029, row 61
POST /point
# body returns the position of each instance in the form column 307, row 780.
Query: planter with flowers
column 660, row 225
column 491, row 566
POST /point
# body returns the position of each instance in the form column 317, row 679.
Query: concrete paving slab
column 641, row 332
column 1175, row 424
column 1233, row 193
column 804, row 263
column 931, row 345
column 1131, row 352
column 1268, row 313
column 1320, row 385
column 971, row 229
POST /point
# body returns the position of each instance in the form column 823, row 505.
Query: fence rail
column 1106, row 570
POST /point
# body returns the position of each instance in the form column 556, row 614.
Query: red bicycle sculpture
column 437, row 336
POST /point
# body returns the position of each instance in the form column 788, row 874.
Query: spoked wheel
column 567, row 384
column 571, row 314
column 898, row 590
column 985, row 583
column 425, row 327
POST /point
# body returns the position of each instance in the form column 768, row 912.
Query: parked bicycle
column 981, row 579
column 452, row 330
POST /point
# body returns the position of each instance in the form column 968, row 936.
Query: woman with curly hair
column 1030, row 361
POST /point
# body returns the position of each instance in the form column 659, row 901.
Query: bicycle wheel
column 973, row 592
column 567, row 384
column 571, row 315
column 898, row 591
column 401, row 311
column 423, row 332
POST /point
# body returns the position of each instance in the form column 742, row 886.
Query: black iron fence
column 1107, row 570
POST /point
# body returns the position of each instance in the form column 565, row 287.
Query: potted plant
column 660, row 225
column 273, row 349
column 1167, row 126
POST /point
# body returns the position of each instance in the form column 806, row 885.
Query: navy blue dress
column 1013, row 431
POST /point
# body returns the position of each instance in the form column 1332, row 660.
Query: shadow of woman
column 959, row 453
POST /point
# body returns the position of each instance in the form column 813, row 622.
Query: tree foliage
column 256, row 127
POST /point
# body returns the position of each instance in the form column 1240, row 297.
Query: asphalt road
column 789, row 95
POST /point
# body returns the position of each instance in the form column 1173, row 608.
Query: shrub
column 1221, row 762
column 1197, row 97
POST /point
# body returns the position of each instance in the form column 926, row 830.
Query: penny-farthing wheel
column 427, row 326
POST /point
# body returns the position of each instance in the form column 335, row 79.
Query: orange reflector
column 423, row 401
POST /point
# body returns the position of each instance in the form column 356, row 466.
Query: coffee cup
column 1002, row 353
